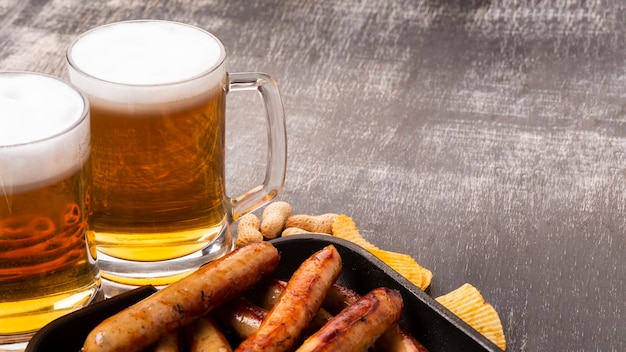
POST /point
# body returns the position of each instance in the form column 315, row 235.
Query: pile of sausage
column 310, row 312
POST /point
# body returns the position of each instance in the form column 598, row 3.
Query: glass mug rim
column 83, row 115
column 211, row 69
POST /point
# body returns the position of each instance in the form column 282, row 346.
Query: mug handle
column 277, row 141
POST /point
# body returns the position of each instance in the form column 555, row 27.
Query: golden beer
column 47, row 248
column 44, row 259
column 158, row 177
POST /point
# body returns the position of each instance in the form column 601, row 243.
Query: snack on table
column 169, row 342
column 184, row 316
column 344, row 227
column 241, row 316
column 356, row 327
column 468, row 304
column 183, row 307
column 338, row 298
column 312, row 223
column 206, row 336
column 404, row 264
column 248, row 230
column 270, row 291
column 273, row 219
column 396, row 338
column 465, row 302
column 178, row 304
column 297, row 305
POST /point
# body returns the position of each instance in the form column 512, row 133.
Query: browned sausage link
column 321, row 318
column 338, row 298
column 358, row 326
column 241, row 316
column 395, row 339
column 244, row 318
column 272, row 289
column 298, row 304
column 206, row 336
column 191, row 297
column 168, row 343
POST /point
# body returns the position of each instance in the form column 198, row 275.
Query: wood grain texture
column 485, row 138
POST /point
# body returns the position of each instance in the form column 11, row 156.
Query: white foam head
column 146, row 62
column 44, row 130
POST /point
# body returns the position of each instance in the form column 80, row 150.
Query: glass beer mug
column 47, row 250
column 157, row 91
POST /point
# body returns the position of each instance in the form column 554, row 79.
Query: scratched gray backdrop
column 485, row 138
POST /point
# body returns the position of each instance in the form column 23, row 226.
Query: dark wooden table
column 485, row 138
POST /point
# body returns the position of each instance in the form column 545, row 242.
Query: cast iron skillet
column 432, row 324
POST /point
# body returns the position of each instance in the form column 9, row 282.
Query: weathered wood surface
column 485, row 138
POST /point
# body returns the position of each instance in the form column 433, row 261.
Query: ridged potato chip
column 344, row 227
column 406, row 266
column 467, row 303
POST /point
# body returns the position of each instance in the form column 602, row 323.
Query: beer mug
column 47, row 250
column 157, row 91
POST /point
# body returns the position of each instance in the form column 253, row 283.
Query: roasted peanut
column 273, row 219
column 248, row 230
column 312, row 223
column 297, row 231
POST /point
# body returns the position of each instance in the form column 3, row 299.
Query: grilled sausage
column 359, row 325
column 168, row 343
column 205, row 336
column 272, row 289
column 183, row 301
column 244, row 318
column 297, row 305
column 395, row 339
column 241, row 316
column 339, row 297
